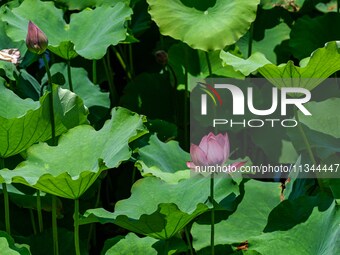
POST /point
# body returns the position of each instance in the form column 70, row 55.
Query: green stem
column 133, row 177
column 33, row 222
column 305, row 139
column 92, row 231
column 250, row 41
column 51, row 100
column 54, row 226
column 76, row 226
column 208, row 63
column 212, row 233
column 321, row 182
column 172, row 71
column 69, row 75
column 94, row 71
column 122, row 62
column 166, row 246
column 338, row 6
column 6, row 200
column 6, row 204
column 40, row 220
column 187, row 236
column 109, row 75
column 186, row 107
column 54, row 143
column 250, row 49
column 131, row 60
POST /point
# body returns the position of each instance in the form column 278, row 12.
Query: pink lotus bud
column 212, row 150
column 36, row 40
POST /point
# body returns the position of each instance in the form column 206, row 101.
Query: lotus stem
column 212, row 229
column 92, row 232
column 187, row 236
column 6, row 204
column 166, row 246
column 54, row 226
column 186, row 107
column 6, row 200
column 250, row 41
column 94, row 71
column 131, row 60
column 208, row 63
column 308, row 147
column 33, row 222
column 122, row 63
column 40, row 220
column 54, row 143
column 76, row 226
column 69, row 75
column 133, row 177
column 109, row 75
column 49, row 77
column 304, row 138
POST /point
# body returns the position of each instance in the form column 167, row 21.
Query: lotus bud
column 161, row 57
column 36, row 40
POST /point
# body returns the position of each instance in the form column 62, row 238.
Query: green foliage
column 123, row 177
column 8, row 246
column 211, row 29
column 69, row 172
column 82, row 31
column 30, row 119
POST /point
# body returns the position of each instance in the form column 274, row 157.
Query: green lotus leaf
column 24, row 122
column 335, row 187
column 331, row 6
column 9, row 69
column 9, row 247
column 132, row 244
column 308, row 34
column 69, row 169
column 90, row 31
column 210, row 29
column 319, row 235
column 93, row 31
column 82, row 86
column 305, row 225
column 65, row 50
column 27, row 86
column 323, row 118
column 273, row 37
column 79, row 5
column 163, row 213
column 29, row 199
column 164, row 160
column 322, row 144
column 69, row 110
column 165, row 130
column 249, row 219
column 311, row 72
column 246, row 66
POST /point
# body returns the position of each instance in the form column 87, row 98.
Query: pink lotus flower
column 213, row 150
